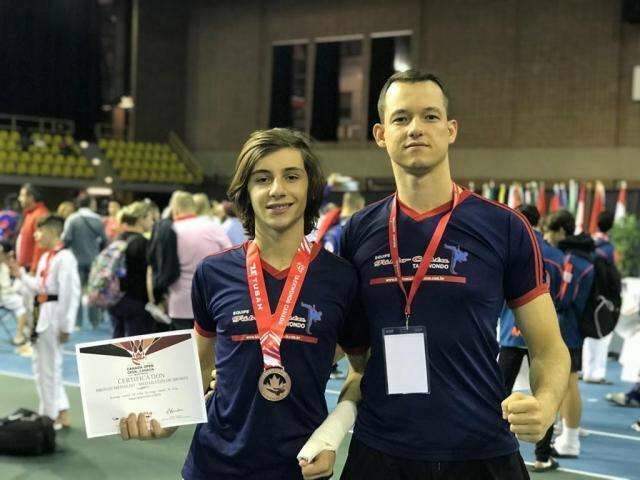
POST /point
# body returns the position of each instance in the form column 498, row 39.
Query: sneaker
column 583, row 433
column 19, row 339
column 623, row 400
column 597, row 381
column 547, row 466
column 561, row 450
column 25, row 350
column 636, row 426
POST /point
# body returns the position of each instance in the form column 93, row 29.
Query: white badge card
column 406, row 360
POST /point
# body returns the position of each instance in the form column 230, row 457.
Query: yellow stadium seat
column 45, row 169
column 13, row 156
column 4, row 134
column 14, row 135
column 69, row 160
column 21, row 168
column 24, row 156
column 3, row 156
column 33, row 169
column 58, row 159
column 56, row 171
column 48, row 158
column 47, row 138
column 67, row 171
column 10, row 168
column 56, row 139
column 78, row 172
column 37, row 158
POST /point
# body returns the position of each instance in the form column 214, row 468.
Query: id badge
column 406, row 360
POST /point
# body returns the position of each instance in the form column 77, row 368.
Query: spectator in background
column 28, row 252
column 163, row 267
column 65, row 209
column 10, row 292
column 84, row 235
column 352, row 202
column 232, row 225
column 203, row 206
column 111, row 225
column 129, row 316
column 197, row 238
column 9, row 218
column 33, row 209
column 217, row 212
column 596, row 350
column 577, row 278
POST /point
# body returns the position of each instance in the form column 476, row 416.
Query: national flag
column 621, row 204
column 598, row 206
column 582, row 200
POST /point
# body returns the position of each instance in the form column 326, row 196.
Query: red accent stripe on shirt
column 203, row 332
column 427, row 278
column 418, row 217
column 534, row 243
column 289, row 336
column 527, row 297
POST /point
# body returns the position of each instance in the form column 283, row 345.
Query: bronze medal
column 274, row 384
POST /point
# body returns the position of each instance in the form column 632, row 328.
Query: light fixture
column 100, row 191
column 84, row 144
column 108, row 180
column 126, row 102
column 96, row 161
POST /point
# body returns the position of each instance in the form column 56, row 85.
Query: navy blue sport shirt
column 247, row 436
column 488, row 254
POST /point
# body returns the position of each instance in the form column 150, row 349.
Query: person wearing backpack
column 595, row 351
column 84, row 235
column 128, row 315
column 575, row 289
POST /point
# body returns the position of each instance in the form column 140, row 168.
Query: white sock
column 570, row 434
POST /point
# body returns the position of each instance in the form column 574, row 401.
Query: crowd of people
column 412, row 289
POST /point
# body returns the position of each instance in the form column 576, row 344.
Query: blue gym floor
column 610, row 451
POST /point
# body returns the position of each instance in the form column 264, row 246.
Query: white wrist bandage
column 330, row 433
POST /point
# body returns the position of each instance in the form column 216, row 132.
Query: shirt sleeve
column 204, row 323
column 524, row 277
column 354, row 336
column 68, row 293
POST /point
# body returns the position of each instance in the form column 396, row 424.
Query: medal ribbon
column 47, row 266
column 271, row 327
column 428, row 254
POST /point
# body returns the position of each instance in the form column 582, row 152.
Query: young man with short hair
column 272, row 370
column 436, row 263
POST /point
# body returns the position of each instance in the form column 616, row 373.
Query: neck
column 424, row 191
column 278, row 248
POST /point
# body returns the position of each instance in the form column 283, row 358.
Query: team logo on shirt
column 457, row 256
column 306, row 323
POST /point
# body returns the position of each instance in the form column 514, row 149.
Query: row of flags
column 572, row 196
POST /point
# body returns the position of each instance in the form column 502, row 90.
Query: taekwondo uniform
column 56, row 286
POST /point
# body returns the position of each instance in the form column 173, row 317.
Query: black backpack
column 26, row 433
column 602, row 310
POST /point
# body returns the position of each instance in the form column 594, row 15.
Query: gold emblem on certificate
column 274, row 384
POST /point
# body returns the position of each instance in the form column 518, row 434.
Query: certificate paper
column 158, row 374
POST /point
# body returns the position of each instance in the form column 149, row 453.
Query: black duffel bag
column 26, row 433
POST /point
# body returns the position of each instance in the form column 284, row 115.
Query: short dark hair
column 605, row 221
column 531, row 213
column 53, row 222
column 83, row 200
column 562, row 219
column 411, row 76
column 35, row 192
column 260, row 144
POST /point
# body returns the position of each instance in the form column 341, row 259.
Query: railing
column 36, row 124
column 185, row 155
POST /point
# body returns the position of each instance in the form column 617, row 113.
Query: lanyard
column 428, row 254
column 271, row 327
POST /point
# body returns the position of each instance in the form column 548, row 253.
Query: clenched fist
column 527, row 416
